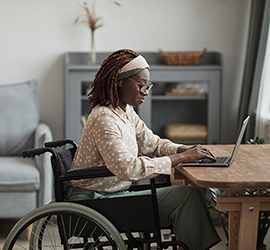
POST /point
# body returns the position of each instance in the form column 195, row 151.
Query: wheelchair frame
column 89, row 224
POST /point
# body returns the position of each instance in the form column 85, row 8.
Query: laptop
column 221, row 161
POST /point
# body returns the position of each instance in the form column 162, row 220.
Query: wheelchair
column 114, row 223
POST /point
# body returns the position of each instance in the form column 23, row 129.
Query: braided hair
column 105, row 88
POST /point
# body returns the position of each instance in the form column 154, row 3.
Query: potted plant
column 222, row 216
column 256, row 140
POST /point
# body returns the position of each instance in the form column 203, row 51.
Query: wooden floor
column 6, row 225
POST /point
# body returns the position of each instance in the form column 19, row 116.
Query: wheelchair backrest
column 61, row 164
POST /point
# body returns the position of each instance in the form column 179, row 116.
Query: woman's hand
column 193, row 153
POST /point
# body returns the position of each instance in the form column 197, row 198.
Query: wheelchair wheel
column 64, row 226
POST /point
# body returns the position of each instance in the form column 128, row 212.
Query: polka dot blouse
column 115, row 138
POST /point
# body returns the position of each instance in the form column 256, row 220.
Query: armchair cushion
column 18, row 175
column 18, row 117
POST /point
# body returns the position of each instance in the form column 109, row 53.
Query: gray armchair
column 24, row 183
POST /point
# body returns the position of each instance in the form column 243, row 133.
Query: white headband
column 136, row 63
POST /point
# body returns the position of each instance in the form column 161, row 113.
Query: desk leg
column 234, row 219
column 176, row 175
column 233, row 229
column 248, row 225
column 243, row 218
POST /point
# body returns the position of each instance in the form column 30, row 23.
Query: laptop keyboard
column 206, row 161
column 219, row 160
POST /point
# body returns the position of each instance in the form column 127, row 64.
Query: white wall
column 35, row 34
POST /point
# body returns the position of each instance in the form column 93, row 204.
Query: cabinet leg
column 28, row 232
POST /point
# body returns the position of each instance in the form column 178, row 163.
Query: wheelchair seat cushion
column 18, row 117
column 18, row 175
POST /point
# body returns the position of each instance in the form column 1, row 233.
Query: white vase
column 92, row 54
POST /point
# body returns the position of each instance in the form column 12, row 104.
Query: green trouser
column 183, row 207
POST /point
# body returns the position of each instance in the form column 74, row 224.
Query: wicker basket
column 186, row 132
column 182, row 58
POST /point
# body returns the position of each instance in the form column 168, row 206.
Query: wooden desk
column 250, row 170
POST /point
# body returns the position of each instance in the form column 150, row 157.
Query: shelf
column 84, row 98
column 158, row 109
column 187, row 132
column 177, row 97
column 168, row 98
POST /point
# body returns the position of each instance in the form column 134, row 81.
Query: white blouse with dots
column 114, row 138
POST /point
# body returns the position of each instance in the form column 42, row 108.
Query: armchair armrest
column 43, row 134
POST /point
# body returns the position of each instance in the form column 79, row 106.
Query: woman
column 114, row 136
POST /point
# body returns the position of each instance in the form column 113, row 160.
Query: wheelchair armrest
column 60, row 143
column 86, row 173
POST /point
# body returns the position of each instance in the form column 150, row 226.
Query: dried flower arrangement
column 93, row 21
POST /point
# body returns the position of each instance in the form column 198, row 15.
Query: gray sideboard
column 159, row 109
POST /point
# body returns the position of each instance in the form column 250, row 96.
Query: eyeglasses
column 143, row 87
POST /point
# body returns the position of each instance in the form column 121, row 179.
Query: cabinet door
column 161, row 108
column 77, row 103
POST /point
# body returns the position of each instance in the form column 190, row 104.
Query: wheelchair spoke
column 63, row 229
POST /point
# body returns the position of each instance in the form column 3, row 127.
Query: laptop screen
column 242, row 131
